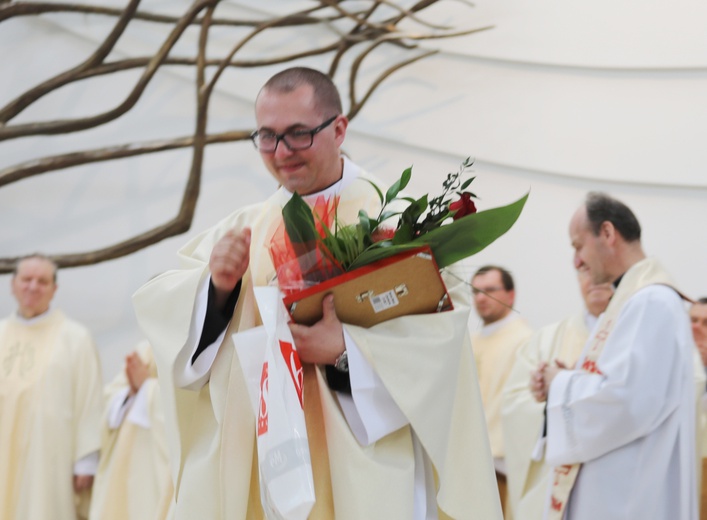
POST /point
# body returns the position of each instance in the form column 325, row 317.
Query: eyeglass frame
column 475, row 291
column 281, row 137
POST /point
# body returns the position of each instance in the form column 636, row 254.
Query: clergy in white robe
column 621, row 428
column 495, row 349
column 698, row 320
column 495, row 346
column 133, row 480
column 50, row 404
column 523, row 417
column 407, row 442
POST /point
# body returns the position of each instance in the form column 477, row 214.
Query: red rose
column 462, row 207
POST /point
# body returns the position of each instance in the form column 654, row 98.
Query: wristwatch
column 342, row 362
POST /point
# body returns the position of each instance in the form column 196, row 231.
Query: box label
column 384, row 301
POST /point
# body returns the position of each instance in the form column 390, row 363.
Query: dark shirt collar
column 618, row 281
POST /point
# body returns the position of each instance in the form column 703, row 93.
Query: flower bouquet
column 378, row 271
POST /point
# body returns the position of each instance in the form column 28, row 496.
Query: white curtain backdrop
column 558, row 99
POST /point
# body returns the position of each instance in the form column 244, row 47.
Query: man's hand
column 551, row 371
column 537, row 383
column 541, row 379
column 702, row 349
column 82, row 483
column 136, row 370
column 323, row 342
column 228, row 263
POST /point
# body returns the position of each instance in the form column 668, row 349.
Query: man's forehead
column 35, row 265
column 699, row 309
column 579, row 219
column 492, row 276
column 293, row 101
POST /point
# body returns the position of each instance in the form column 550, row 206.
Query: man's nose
column 282, row 150
column 577, row 261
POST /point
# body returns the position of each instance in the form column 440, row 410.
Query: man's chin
column 294, row 184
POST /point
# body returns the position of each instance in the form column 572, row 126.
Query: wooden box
column 407, row 283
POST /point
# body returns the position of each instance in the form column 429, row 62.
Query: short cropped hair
column 603, row 208
column 40, row 256
column 506, row 278
column 702, row 301
column 325, row 92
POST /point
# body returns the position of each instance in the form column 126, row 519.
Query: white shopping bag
column 274, row 376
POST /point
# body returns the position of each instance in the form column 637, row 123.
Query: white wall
column 559, row 98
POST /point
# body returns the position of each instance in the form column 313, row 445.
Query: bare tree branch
column 52, row 163
column 74, row 125
column 369, row 31
column 14, row 9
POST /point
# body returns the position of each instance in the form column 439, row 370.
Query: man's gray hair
column 40, row 256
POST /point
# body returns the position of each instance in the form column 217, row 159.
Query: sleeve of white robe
column 118, row 407
column 195, row 375
column 87, row 406
column 133, row 408
column 87, row 465
column 370, row 410
column 589, row 415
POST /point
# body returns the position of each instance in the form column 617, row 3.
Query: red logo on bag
column 294, row 365
column 263, row 411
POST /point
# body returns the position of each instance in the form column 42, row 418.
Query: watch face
column 342, row 362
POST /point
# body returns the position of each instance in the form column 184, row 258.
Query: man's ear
column 608, row 232
column 340, row 126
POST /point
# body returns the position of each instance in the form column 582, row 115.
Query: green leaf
column 378, row 190
column 365, row 222
column 456, row 241
column 398, row 185
column 299, row 222
column 414, row 210
column 469, row 235
column 466, row 183
column 386, row 215
column 379, row 253
column 403, row 234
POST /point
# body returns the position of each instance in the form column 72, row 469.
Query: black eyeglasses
column 295, row 140
column 476, row 291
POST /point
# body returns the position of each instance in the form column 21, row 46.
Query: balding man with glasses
column 394, row 419
column 495, row 344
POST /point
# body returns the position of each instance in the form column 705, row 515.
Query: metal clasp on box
column 444, row 303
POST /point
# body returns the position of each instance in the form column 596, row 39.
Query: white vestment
column 495, row 348
column 522, row 416
column 50, row 412
column 133, row 480
column 424, row 362
column 632, row 426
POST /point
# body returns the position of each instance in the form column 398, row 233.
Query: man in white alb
column 133, row 481
column 522, row 416
column 621, row 426
column 698, row 319
column 50, row 403
column 393, row 413
column 495, row 346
